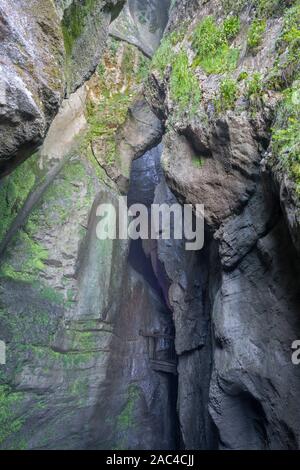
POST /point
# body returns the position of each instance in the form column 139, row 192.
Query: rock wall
column 78, row 372
column 248, row 274
column 222, row 94
column 142, row 23
column 42, row 58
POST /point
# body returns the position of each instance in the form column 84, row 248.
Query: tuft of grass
column 255, row 87
column 228, row 95
column 184, row 86
column 165, row 55
column 286, row 133
column 288, row 46
column 212, row 48
column 256, row 33
column 231, row 27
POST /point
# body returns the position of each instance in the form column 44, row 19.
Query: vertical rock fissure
column 146, row 174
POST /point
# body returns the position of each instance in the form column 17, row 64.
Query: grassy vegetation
column 255, row 90
column 287, row 66
column 286, row 133
column 184, row 86
column 211, row 45
column 165, row 55
column 264, row 8
column 256, row 33
column 231, row 27
column 228, row 95
column 105, row 115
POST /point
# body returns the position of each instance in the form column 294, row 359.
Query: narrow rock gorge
column 142, row 344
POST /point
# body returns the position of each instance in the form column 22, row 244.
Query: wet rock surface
column 142, row 23
column 235, row 307
column 40, row 62
column 77, row 312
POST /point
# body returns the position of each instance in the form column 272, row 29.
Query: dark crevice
column 146, row 174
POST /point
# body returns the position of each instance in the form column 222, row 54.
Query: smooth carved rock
column 142, row 23
column 37, row 67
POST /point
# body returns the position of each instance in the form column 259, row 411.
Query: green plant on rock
column 231, row 27
column 165, row 54
column 255, row 89
column 234, row 6
column 288, row 47
column 242, row 76
column 286, row 133
column 184, row 86
column 255, row 33
column 228, row 95
column 264, row 8
column 197, row 161
column 269, row 8
column 212, row 48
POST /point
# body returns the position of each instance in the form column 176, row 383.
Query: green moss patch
column 126, row 418
column 9, row 404
column 14, row 191
column 74, row 21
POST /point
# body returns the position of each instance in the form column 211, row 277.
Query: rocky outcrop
column 42, row 57
column 78, row 313
column 32, row 77
column 142, row 23
column 78, row 372
column 245, row 281
column 85, row 29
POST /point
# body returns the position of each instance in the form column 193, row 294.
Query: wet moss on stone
column 14, row 190
column 74, row 22
column 9, row 403
column 126, row 418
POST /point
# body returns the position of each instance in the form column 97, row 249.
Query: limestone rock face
column 43, row 55
column 142, row 23
column 237, row 304
column 77, row 311
column 73, row 307
column 32, row 76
